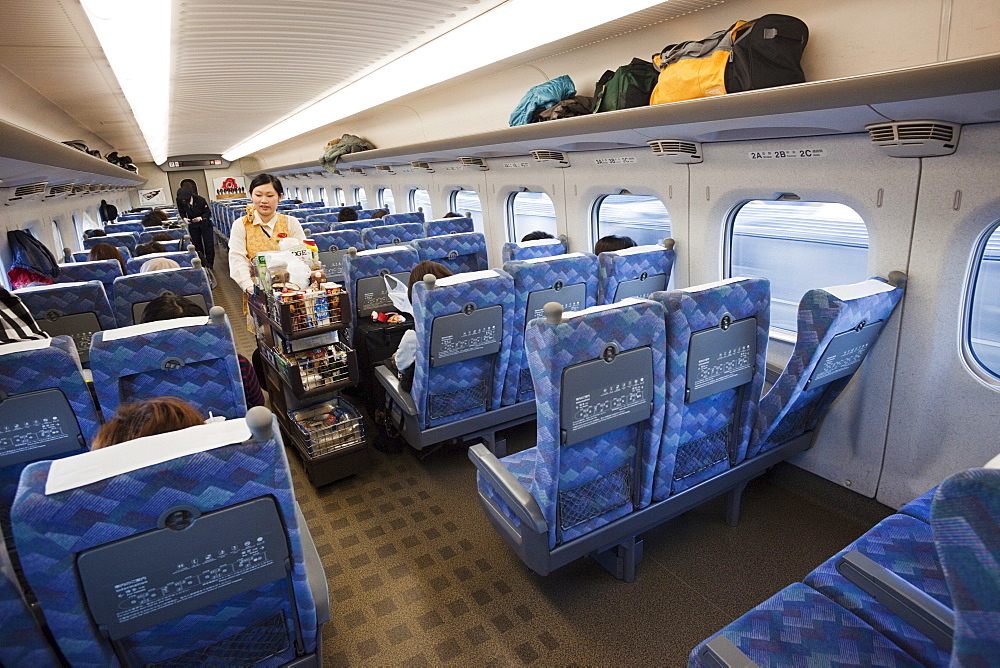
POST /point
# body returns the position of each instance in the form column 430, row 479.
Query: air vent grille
column 29, row 189
column 676, row 150
column 81, row 189
column 358, row 171
column 553, row 158
column 423, row 166
column 55, row 191
column 384, row 169
column 915, row 139
column 474, row 163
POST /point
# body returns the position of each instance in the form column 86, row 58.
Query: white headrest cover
column 157, row 326
column 858, row 290
column 465, row 277
column 536, row 260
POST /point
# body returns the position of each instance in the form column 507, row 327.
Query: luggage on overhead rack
column 629, row 86
column 748, row 55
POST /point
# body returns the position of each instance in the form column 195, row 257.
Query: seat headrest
column 22, row 346
column 150, row 327
column 714, row 284
column 859, row 290
column 53, row 286
column 537, row 242
column 550, row 258
column 635, row 250
column 605, row 307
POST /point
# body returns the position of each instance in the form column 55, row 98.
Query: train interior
column 794, row 184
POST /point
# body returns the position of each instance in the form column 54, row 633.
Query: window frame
column 509, row 209
column 595, row 216
column 412, row 201
column 339, row 197
column 321, row 193
column 357, row 196
column 380, row 197
column 977, row 368
column 453, row 206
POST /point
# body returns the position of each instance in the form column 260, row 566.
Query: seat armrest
column 915, row 607
column 510, row 488
column 315, row 574
column 396, row 393
column 720, row 652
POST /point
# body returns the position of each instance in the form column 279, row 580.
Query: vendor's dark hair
column 265, row 179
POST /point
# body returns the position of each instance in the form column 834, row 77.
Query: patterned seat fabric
column 792, row 407
column 356, row 225
column 392, row 235
column 105, row 271
column 329, row 243
column 439, row 226
column 142, row 288
column 255, row 627
column 184, row 259
column 905, row 546
column 920, row 507
column 146, row 237
column 449, row 392
column 533, row 276
column 23, row 644
column 965, row 518
column 404, row 218
column 458, row 252
column 49, row 306
column 800, row 627
column 706, row 437
column 127, row 226
column 54, row 366
column 638, row 262
column 127, row 239
column 527, row 250
column 584, row 486
column 315, row 228
column 366, row 264
column 196, row 363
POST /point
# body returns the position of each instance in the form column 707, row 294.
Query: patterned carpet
column 418, row 577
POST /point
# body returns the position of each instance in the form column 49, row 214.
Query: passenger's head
column 150, row 247
column 168, row 306
column 146, row 418
column 265, row 193
column 161, row 214
column 347, row 214
column 189, row 184
column 436, row 269
column 96, row 232
column 381, row 213
column 612, row 242
column 163, row 237
column 452, row 214
column 152, row 219
column 106, row 252
column 537, row 235
column 158, row 264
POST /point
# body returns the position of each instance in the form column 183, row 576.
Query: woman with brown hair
column 107, row 252
column 147, row 418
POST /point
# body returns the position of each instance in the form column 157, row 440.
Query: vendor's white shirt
column 239, row 264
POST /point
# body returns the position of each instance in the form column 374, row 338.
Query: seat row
column 203, row 555
column 920, row 588
column 129, row 240
column 95, row 297
column 645, row 407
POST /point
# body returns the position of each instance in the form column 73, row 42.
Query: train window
column 467, row 202
column 643, row 218
column 527, row 212
column 798, row 246
column 361, row 197
column 984, row 306
column 57, row 237
column 386, row 200
column 309, row 194
column 338, row 197
column 298, row 193
column 420, row 200
column 322, row 195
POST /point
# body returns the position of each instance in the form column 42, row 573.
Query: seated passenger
column 18, row 324
column 381, row 213
column 154, row 218
column 452, row 214
column 406, row 352
column 107, row 252
column 163, row 237
column 150, row 247
column 612, row 242
column 96, row 232
column 168, row 306
column 537, row 235
column 147, row 418
column 158, row 264
column 346, row 215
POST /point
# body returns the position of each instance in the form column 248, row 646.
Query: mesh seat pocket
column 595, row 498
column 458, row 401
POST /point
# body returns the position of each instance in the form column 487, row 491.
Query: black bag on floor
column 374, row 342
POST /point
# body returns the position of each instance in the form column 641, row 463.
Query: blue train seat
column 147, row 236
column 105, row 271
column 920, row 507
column 133, row 292
column 332, row 247
column 391, row 235
column 439, row 226
column 527, row 250
column 84, row 256
column 24, row 643
column 315, row 228
column 202, row 554
column 127, row 239
column 367, row 213
column 77, row 310
column 717, row 353
column 124, row 226
column 356, row 225
column 184, row 259
column 46, row 410
column 363, row 272
column 457, row 252
column 570, row 280
column 601, row 406
column 190, row 358
column 404, row 218
column 836, row 328
column 634, row 272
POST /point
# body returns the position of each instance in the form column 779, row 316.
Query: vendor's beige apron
column 259, row 242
